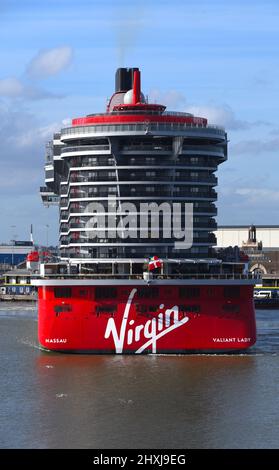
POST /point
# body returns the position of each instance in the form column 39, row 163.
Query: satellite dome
column 128, row 97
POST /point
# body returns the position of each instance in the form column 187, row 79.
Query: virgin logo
column 151, row 330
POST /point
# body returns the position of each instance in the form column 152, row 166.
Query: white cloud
column 256, row 146
column 223, row 115
column 170, row 98
column 44, row 64
column 28, row 176
column 274, row 131
column 249, row 197
column 258, row 197
column 50, row 62
column 33, row 93
column 29, row 136
column 219, row 115
column 11, row 87
column 23, row 140
column 240, row 204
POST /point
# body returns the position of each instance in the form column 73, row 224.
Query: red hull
column 129, row 320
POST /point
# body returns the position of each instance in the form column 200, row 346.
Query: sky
column 215, row 58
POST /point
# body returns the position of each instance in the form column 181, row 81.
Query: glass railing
column 84, row 210
column 178, row 276
column 50, row 199
column 44, row 189
column 134, row 242
column 212, row 225
column 127, row 177
column 144, row 111
column 145, row 148
column 203, row 148
column 145, row 127
column 84, row 148
column 168, row 163
column 167, row 192
column 89, row 179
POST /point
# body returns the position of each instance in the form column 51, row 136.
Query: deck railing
column 142, row 128
column 154, row 277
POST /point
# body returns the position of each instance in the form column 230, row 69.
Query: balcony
column 77, row 225
column 153, row 191
column 63, row 202
column 50, row 199
column 145, row 149
column 103, row 235
column 203, row 149
column 88, row 179
column 46, row 190
column 84, row 208
column 211, row 225
column 124, row 176
column 90, row 162
column 85, row 148
column 212, row 210
column 145, row 162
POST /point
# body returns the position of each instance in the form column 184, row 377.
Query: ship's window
column 83, row 293
column 148, row 292
column 153, row 308
column 231, row 308
column 232, row 292
column 62, row 292
column 105, row 308
column 190, row 308
column 141, row 308
column 210, row 292
column 105, row 292
column 189, row 292
column 62, row 308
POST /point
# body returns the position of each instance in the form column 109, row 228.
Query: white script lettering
column 151, row 330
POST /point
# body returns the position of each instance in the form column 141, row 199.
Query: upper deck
column 134, row 182
column 128, row 112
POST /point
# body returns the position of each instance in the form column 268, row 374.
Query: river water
column 50, row 400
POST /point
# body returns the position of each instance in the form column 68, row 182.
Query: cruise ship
column 137, row 271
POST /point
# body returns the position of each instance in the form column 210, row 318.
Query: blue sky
column 216, row 58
